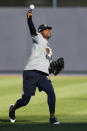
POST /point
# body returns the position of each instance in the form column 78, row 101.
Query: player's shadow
column 4, row 120
column 44, row 126
column 7, row 121
column 33, row 124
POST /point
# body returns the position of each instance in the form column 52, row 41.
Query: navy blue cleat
column 54, row 121
column 11, row 114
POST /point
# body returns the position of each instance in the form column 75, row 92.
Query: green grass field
column 71, row 105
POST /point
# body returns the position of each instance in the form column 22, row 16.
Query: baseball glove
column 56, row 66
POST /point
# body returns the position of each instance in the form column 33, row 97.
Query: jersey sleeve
column 31, row 27
column 37, row 39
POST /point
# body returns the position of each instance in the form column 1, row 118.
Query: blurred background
column 69, row 34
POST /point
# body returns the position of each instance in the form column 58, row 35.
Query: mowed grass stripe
column 71, row 90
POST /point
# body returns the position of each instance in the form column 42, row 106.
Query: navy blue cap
column 43, row 27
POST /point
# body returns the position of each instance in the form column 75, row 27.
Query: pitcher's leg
column 21, row 102
column 46, row 85
column 29, row 89
column 51, row 101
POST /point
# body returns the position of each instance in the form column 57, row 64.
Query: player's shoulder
column 38, row 36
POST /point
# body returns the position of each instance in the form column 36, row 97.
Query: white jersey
column 39, row 59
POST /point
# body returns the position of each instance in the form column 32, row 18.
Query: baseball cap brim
column 45, row 28
column 49, row 28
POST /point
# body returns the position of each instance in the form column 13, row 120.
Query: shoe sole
column 56, row 123
column 11, row 120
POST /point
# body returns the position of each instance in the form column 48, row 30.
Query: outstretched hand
column 29, row 14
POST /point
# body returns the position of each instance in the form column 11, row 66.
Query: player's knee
column 22, row 102
column 25, row 100
column 51, row 94
column 51, row 98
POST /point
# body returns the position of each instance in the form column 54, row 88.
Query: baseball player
column 37, row 70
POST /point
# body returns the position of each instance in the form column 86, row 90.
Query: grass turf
column 71, row 105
